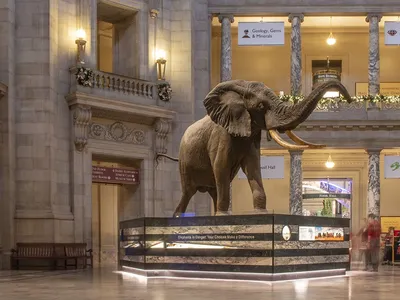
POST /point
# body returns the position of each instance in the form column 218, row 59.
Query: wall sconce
column 329, row 163
column 81, row 46
column 161, row 62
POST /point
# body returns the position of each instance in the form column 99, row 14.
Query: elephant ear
column 227, row 108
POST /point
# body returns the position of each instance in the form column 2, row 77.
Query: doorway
column 105, row 224
column 328, row 197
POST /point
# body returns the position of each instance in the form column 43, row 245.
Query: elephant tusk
column 300, row 141
column 275, row 136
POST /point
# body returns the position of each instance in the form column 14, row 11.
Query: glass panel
column 327, row 197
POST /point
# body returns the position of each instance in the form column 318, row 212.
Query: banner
column 392, row 166
column 272, row 167
column 261, row 33
column 392, row 33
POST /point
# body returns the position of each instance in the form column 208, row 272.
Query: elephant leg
column 213, row 194
column 223, row 188
column 187, row 194
column 252, row 168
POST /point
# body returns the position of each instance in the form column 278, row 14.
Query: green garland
column 373, row 99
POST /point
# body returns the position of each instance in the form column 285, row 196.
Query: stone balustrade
column 101, row 80
column 113, row 86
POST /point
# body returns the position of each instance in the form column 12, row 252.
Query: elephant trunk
column 285, row 116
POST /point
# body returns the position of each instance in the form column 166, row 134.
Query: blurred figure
column 373, row 243
column 387, row 258
column 363, row 238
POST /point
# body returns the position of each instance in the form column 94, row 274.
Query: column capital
column 292, row 16
column 296, row 152
column 226, row 16
column 373, row 150
column 373, row 15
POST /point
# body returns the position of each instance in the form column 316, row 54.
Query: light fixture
column 81, row 44
column 161, row 63
column 329, row 163
column 331, row 39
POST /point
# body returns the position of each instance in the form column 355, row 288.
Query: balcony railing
column 124, row 84
column 119, row 87
column 378, row 102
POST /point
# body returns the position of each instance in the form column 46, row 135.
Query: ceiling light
column 331, row 40
column 329, row 163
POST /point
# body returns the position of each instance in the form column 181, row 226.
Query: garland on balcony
column 326, row 101
column 84, row 76
column 164, row 91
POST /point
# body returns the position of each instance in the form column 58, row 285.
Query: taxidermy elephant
column 214, row 148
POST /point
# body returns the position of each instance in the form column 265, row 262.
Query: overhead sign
column 392, row 33
column 261, row 33
column 272, row 167
column 392, row 166
column 114, row 175
column 323, row 195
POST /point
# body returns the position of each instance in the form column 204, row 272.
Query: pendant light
column 331, row 39
column 329, row 163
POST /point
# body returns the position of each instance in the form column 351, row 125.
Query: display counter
column 250, row 247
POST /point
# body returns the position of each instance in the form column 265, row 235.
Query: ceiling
column 313, row 22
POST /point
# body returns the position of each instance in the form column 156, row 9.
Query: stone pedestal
column 296, row 65
column 296, row 182
column 374, row 58
column 226, row 47
column 374, row 182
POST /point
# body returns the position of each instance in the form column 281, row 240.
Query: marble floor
column 106, row 284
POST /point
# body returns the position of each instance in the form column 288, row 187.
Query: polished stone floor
column 106, row 284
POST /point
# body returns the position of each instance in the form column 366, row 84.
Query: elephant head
column 240, row 106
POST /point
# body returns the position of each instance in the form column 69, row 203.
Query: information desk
column 250, row 247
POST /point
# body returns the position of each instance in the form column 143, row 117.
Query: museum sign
column 114, row 175
column 272, row 167
column 392, row 33
column 261, row 33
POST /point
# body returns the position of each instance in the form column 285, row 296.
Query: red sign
column 115, row 175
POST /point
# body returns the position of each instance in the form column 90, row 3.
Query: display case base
column 175, row 274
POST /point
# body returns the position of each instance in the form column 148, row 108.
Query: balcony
column 362, row 109
column 119, row 97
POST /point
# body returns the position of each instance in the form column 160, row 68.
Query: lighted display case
column 257, row 247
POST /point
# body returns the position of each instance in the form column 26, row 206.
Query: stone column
column 226, row 46
column 226, row 62
column 374, row 59
column 296, row 183
column 374, row 182
column 295, row 69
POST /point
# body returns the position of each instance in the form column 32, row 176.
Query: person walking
column 373, row 243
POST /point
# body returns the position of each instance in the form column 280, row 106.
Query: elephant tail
column 159, row 155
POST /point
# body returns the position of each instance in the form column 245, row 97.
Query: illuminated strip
column 247, row 277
